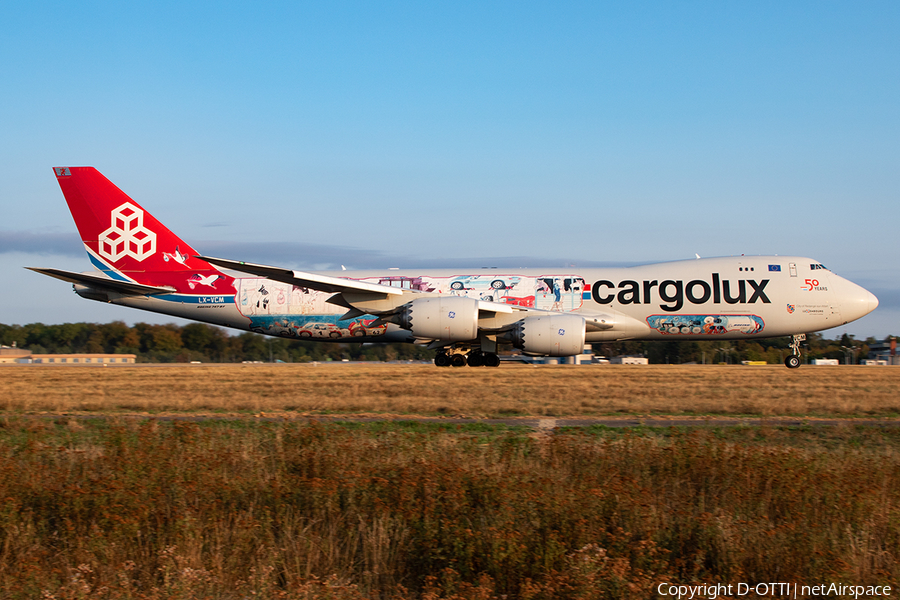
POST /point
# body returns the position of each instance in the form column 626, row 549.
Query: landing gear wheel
column 441, row 359
column 475, row 359
column 491, row 359
column 458, row 360
column 793, row 361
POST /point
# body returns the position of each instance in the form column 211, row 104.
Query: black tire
column 792, row 362
column 491, row 359
column 475, row 359
column 456, row 285
column 498, row 284
column 441, row 360
column 305, row 334
column 458, row 360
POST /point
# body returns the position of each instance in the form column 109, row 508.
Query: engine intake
column 450, row 318
column 549, row 335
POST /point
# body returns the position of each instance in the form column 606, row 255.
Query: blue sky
column 417, row 134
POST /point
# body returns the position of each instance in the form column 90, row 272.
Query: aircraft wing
column 99, row 281
column 313, row 281
column 356, row 291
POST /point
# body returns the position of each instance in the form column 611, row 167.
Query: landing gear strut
column 473, row 358
column 793, row 360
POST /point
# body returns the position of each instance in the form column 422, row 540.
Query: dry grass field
column 147, row 508
column 511, row 390
column 171, row 510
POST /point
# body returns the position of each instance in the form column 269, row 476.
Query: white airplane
column 467, row 316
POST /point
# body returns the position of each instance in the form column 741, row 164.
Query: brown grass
column 142, row 509
column 425, row 390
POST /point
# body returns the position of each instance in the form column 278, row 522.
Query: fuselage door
column 793, row 269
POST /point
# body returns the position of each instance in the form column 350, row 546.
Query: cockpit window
column 818, row 266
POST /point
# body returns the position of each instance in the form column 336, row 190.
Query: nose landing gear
column 793, row 359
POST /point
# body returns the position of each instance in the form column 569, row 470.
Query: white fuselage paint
column 716, row 298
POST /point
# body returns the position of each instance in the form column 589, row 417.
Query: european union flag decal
column 774, row 267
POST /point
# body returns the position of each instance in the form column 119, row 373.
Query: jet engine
column 447, row 318
column 549, row 335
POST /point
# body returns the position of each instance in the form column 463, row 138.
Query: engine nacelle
column 449, row 318
column 549, row 335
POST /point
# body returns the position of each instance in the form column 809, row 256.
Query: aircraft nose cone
column 873, row 301
column 856, row 302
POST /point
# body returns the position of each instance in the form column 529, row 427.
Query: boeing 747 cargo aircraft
column 466, row 316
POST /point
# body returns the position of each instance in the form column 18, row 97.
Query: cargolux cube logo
column 127, row 236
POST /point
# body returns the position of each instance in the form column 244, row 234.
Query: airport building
column 883, row 353
column 13, row 355
column 629, row 360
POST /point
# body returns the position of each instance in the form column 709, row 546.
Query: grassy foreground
column 427, row 390
column 148, row 509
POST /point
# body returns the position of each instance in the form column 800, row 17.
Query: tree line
column 206, row 343
column 845, row 348
column 196, row 341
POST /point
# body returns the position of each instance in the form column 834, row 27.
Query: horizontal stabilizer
column 313, row 281
column 105, row 283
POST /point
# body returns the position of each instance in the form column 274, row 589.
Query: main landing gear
column 474, row 358
column 793, row 359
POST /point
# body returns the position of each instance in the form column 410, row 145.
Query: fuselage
column 711, row 298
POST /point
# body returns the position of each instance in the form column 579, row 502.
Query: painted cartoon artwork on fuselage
column 291, row 311
column 267, row 297
column 317, row 327
column 706, row 324
column 404, row 282
column 564, row 293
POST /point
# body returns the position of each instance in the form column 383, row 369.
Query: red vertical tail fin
column 122, row 239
